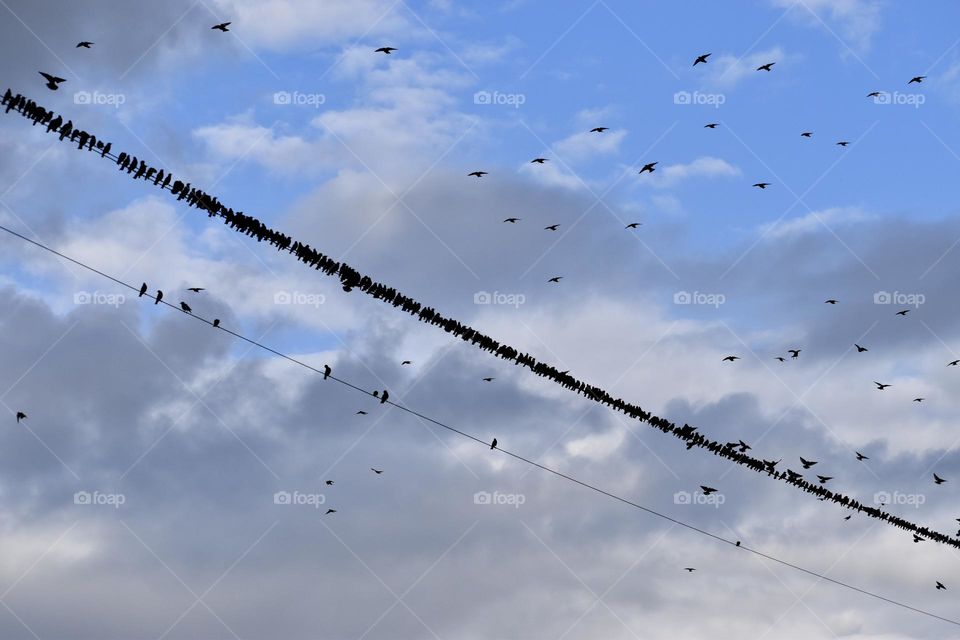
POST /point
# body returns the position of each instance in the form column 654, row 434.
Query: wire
column 511, row 454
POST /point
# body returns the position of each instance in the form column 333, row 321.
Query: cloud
column 704, row 166
column 858, row 20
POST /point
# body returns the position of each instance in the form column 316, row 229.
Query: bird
column 599, row 129
column 917, row 538
column 478, row 174
column 761, row 185
column 538, row 161
column 711, row 125
column 707, row 490
column 552, row 227
column 806, row 134
column 385, row 396
column 702, row 59
column 216, row 323
column 20, row 416
column 196, row 289
column 744, row 446
column 83, row 45
column 689, row 569
column 807, row 463
column 185, row 307
column 329, row 482
column 738, row 543
column 53, row 82
column 376, row 471
column 493, row 445
column 222, row 26
column 489, row 379
column 633, row 225
column 843, row 143
column 903, row 312
column 940, row 586
column 919, row 399
column 329, row 511
column 780, row 358
column 649, row 167
column 361, row 413
column 143, row 290
column 873, row 94
column 953, row 363
column 937, row 479
column 830, row 301
column 824, row 479
column 406, row 362
column 859, row 348
column 386, row 50
column 326, row 371
column 795, row 352
column 917, row 79
column 860, row 456
column 731, row 359
column 847, row 517
column 159, row 297
column 512, row 220
column 880, row 385
column 555, row 279
column 766, row 67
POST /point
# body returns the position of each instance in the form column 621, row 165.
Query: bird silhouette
column 538, row 161
column 689, row 569
column 744, row 446
column 552, row 227
column 385, row 396
column 196, row 289
column 806, row 134
column 159, row 297
column 766, row 67
column 386, row 50
column 940, row 586
column 738, row 543
column 937, row 479
column 329, row 482
column 329, row 511
column 859, row 348
column 731, row 359
column 633, row 225
column 143, row 290
column 361, row 413
column 702, row 59
column 555, row 279
column 707, row 490
column 917, row 79
column 376, row 471
column 223, row 26
column 880, row 385
column 795, row 352
column 780, row 358
column 860, row 456
column 185, row 307
column 919, row 399
column 807, row 463
column 846, row 517
column 649, row 167
column 824, row 479
column 917, row 538
column 21, row 416
column 599, row 129
column 512, row 220
column 216, row 322
column 53, row 82
column 477, row 174
column 84, row 45
column 406, row 362
column 903, row 313
column 711, row 125
column 830, row 301
column 493, row 445
column 761, row 185
column 953, row 363
column 873, row 94
column 489, row 379
column 326, row 371
column 843, row 143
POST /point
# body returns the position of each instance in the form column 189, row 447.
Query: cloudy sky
column 169, row 481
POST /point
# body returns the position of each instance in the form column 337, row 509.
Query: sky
column 170, row 481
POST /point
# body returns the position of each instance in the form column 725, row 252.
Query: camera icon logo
column 682, row 97
column 882, row 297
column 482, row 497
column 82, row 97
column 81, row 497
column 282, row 297
column 281, row 497
column 482, row 97
column 282, row 97
column 682, row 497
column 682, row 297
column 881, row 497
column 482, row 297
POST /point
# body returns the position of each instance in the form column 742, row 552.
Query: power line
column 516, row 456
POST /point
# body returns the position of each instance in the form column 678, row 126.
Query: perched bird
column 880, row 385
column 649, row 167
column 552, row 227
column 689, row 569
column 385, row 396
column 329, row 511
column 843, row 143
column 493, row 445
column 143, row 290
column 84, row 45
column 489, row 379
column 702, row 59
column 633, row 225
column 806, row 134
column 937, row 479
column 807, row 463
column 824, row 479
column 555, row 279
column 707, row 490
column 859, row 348
column 159, row 297
column 406, row 362
column 512, row 220
column 376, row 471
column 903, row 313
column 860, row 456
column 538, row 161
column 599, row 129
column 738, row 543
column 222, row 26
column 185, row 307
column 20, row 416
column 196, row 289
column 730, row 359
column 711, row 125
column 326, row 371
column 386, row 50
column 766, row 67
column 795, row 352
column 477, row 174
column 940, row 586
column 917, row 79
column 761, row 185
column 53, row 82
column 216, row 323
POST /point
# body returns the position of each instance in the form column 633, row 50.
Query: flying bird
column 376, row 471
column 711, row 125
column 53, row 82
column 552, row 227
column 766, row 67
column 761, row 185
column 20, row 416
column 954, row 363
column 84, row 45
column 843, row 143
column 806, row 134
column 649, row 167
column 159, row 297
column 599, row 129
column 730, row 359
column 707, row 490
column 489, row 379
column 493, row 445
column 903, row 313
column 795, row 352
column 143, row 290
column 824, row 479
column 940, row 586
column 937, row 479
column 807, row 463
column 859, row 348
column 880, row 385
column 873, row 94
column 196, row 289
column 689, row 569
column 512, row 220
column 185, row 307
column 329, row 511
column 846, row 517
column 538, row 161
column 386, row 50
column 406, row 362
column 830, row 301
column 329, row 482
column 860, row 456
column 917, row 538
column 744, row 446
column 361, row 413
column 702, row 59
column 555, row 279
column 919, row 399
column 780, row 358
column 917, row 79
column 633, row 225
column 222, row 26
column 478, row 174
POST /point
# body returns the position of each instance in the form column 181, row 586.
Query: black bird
column 730, row 359
column 649, row 167
column 143, row 290
column 940, row 586
column 329, row 482
column 824, row 479
column 385, row 396
column 795, row 352
column 538, row 161
column 937, row 479
column 880, row 385
column 689, row 569
column 702, row 58
column 860, row 456
column 329, row 511
column 84, row 45
column 552, row 227
column 599, row 129
column 478, row 174
column 766, row 67
column 738, row 543
column 707, row 490
column 711, row 125
column 555, row 279
column 903, row 313
column 633, row 225
column 376, row 471
column 846, row 517
column 873, row 94
column 222, row 26
column 843, row 143
column 807, row 463
column 917, row 538
column 326, row 371
column 216, row 322
column 919, row 399
column 406, row 362
column 489, row 379
column 493, row 445
column 159, row 297
column 185, row 307
column 386, row 50
column 954, row 363
column 830, row 301
column 361, row 413
column 761, row 185
column 512, row 220
column 917, row 79
column 20, row 416
column 780, row 358
column 744, row 446
column 196, row 289
column 806, row 134
column 53, row 82
column 859, row 348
